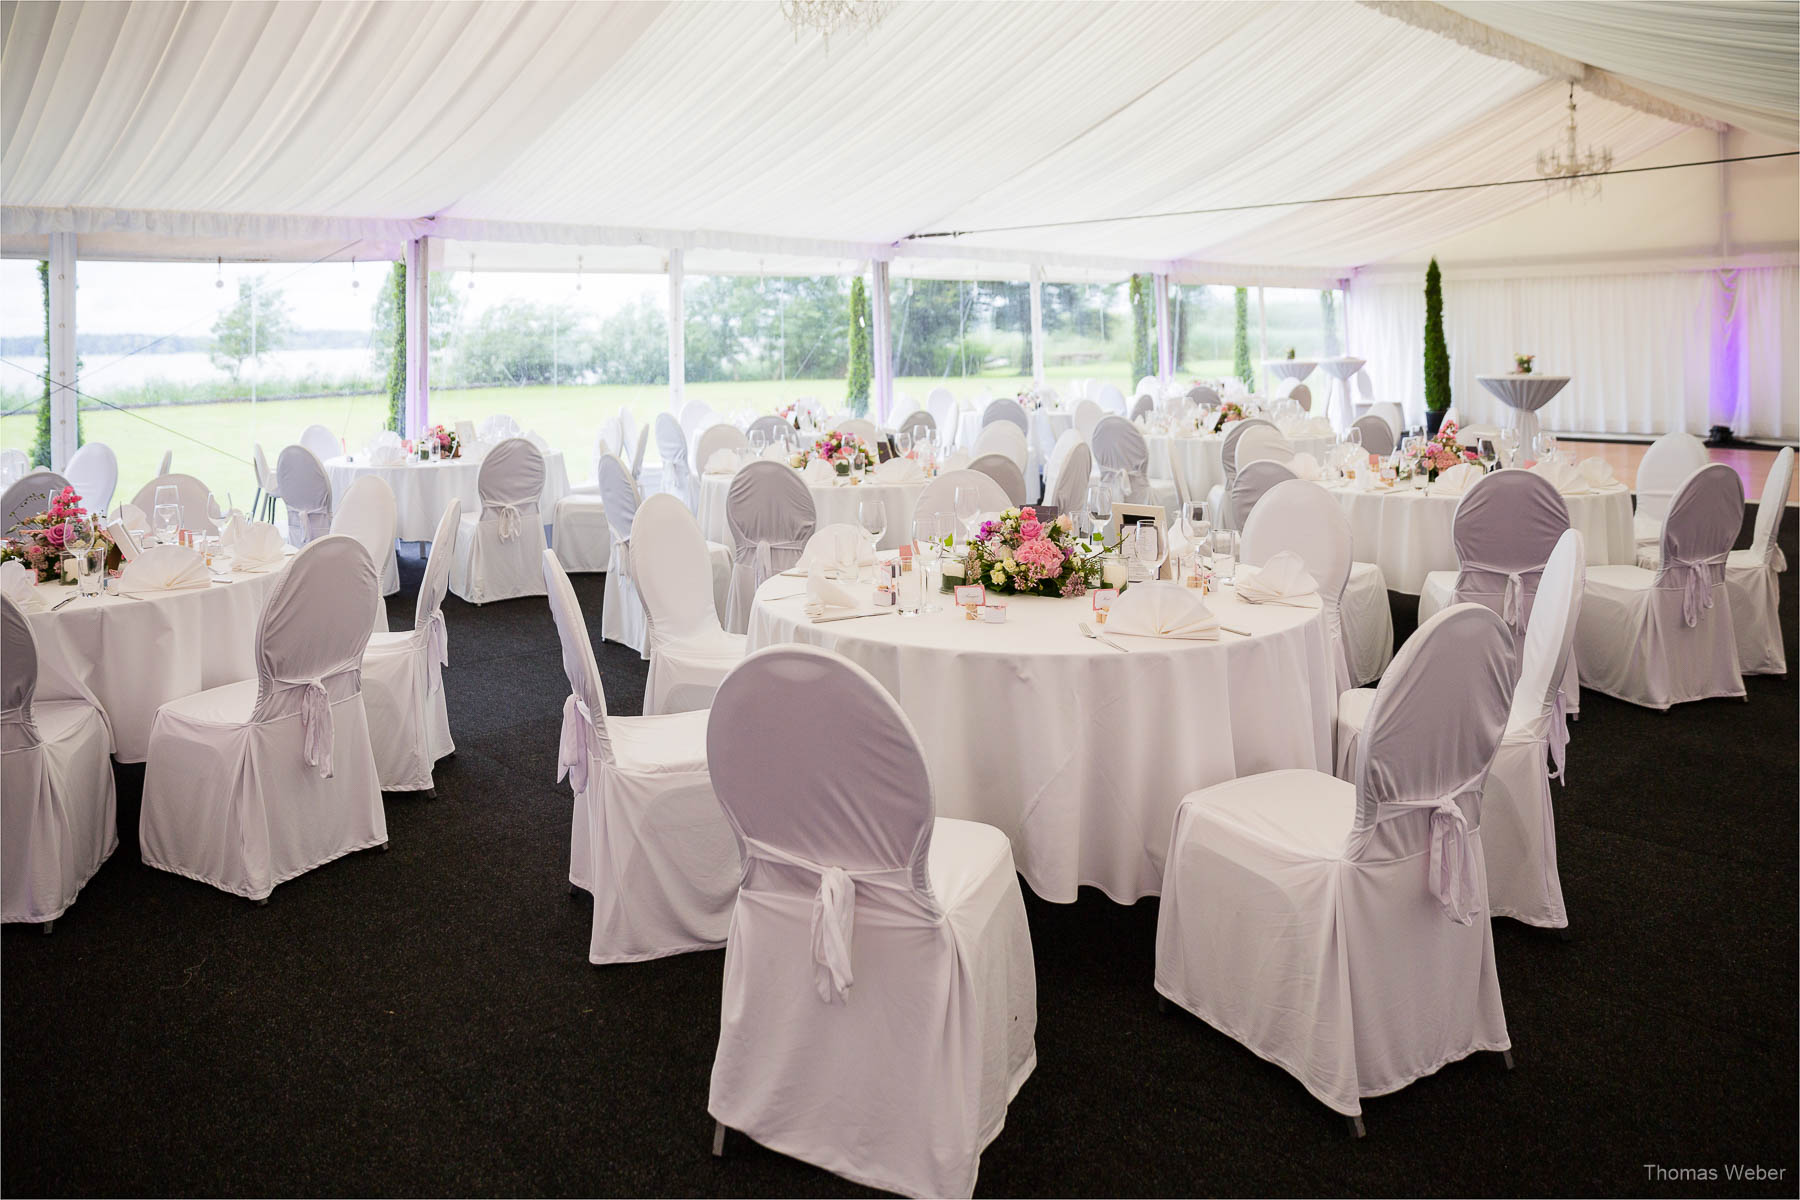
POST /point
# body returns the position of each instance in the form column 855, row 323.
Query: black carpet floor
column 425, row 1021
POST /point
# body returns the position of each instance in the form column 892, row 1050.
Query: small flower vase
column 953, row 575
column 843, row 469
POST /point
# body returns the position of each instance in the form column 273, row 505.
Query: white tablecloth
column 1197, row 458
column 833, row 504
column 135, row 654
column 1523, row 395
column 422, row 491
column 1077, row 752
column 1407, row 532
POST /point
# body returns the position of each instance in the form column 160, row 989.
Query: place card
column 1103, row 598
column 971, row 594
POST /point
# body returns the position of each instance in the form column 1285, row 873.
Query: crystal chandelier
column 829, row 16
column 1565, row 167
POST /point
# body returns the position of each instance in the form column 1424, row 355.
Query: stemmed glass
column 903, row 441
column 968, row 507
column 872, row 512
column 1195, row 526
column 1509, row 447
column 1148, row 549
column 928, row 546
column 166, row 515
column 759, row 441
column 1099, row 510
column 1546, row 446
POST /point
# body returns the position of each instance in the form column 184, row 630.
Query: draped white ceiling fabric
column 631, row 129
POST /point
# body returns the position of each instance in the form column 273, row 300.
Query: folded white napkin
column 1291, row 427
column 385, row 455
column 1163, row 609
column 165, row 569
column 1456, row 480
column 1317, row 427
column 823, row 594
column 900, row 470
column 839, row 545
column 18, row 583
column 134, row 518
column 1597, row 471
column 1568, row 480
column 385, row 437
column 255, row 545
column 776, row 453
column 1304, row 466
column 956, row 460
column 722, row 462
column 1283, row 579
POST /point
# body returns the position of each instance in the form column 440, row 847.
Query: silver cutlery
column 69, row 600
column 852, row 616
column 1101, row 637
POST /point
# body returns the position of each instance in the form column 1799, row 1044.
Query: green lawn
column 212, row 441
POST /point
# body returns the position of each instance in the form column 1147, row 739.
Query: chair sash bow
column 437, row 648
column 1559, row 734
column 315, row 722
column 512, row 522
column 760, row 555
column 1696, row 577
column 573, row 752
column 1515, row 604
column 1453, row 869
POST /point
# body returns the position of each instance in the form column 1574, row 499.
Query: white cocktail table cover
column 1194, row 459
column 833, row 504
column 135, row 654
column 1406, row 532
column 1290, row 368
column 422, row 491
column 1077, row 752
column 1523, row 395
column 1341, row 406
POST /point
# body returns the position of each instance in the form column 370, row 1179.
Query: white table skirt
column 1197, row 458
column 422, row 491
column 1407, row 533
column 833, row 504
column 136, row 654
column 1079, row 753
column 1523, row 395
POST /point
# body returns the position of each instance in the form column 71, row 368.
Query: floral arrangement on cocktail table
column 1522, row 363
column 844, row 451
column 448, row 444
column 1430, row 458
column 1017, row 553
column 1029, row 400
column 40, row 541
column 1229, row 411
column 789, row 413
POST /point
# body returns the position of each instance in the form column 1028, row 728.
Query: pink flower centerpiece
column 844, row 451
column 1442, row 452
column 1015, row 552
column 1229, row 411
column 40, row 541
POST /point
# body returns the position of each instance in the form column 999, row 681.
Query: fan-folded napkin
column 1283, row 579
column 164, row 569
column 255, row 545
column 1597, row 471
column 839, row 545
column 823, row 594
column 776, row 453
column 1456, row 480
column 385, row 455
column 1304, row 466
column 899, row 470
column 722, row 462
column 1165, row 610
column 818, row 472
column 1567, row 479
column 18, row 583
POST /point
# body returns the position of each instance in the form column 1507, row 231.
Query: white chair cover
column 28, row 496
column 1665, row 466
column 1006, row 409
column 321, row 441
column 918, row 423
column 1149, row 385
column 1118, row 445
column 403, row 681
column 253, row 783
column 305, row 492
column 1110, row 399
column 942, row 406
column 939, row 496
column 647, row 838
column 579, row 532
column 671, row 444
column 1005, row 438
column 1377, row 435
column 769, row 511
column 1751, row 579
column 696, row 415
column 622, row 617
column 856, row 426
column 1665, row 637
column 1504, row 531
column 1143, row 406
column 1391, row 413
column 268, row 490
column 58, row 810
column 196, row 512
column 1005, row 472
column 880, row 1002
column 690, row 653
column 1245, row 441
column 637, row 454
column 771, row 427
column 93, row 472
column 1338, row 930
column 715, row 438
column 1364, row 386
column 1067, row 472
column 1087, row 415
column 498, row 549
column 1302, row 395
column 1253, row 480
column 367, row 514
column 1302, row 517
column 498, row 427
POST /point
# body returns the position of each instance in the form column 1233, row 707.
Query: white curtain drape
column 1646, row 352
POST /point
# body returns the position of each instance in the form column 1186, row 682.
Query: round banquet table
column 833, row 504
column 136, row 653
column 1406, row 532
column 1197, row 458
column 423, row 490
column 1523, row 395
column 1077, row 752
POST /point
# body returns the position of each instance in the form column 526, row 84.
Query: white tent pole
column 1037, row 326
column 881, row 342
column 1262, row 340
column 418, row 336
column 1165, row 336
column 61, row 350
column 677, row 333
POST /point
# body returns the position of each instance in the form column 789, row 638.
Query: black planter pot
column 1434, row 419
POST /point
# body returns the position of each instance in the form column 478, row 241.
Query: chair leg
column 1506, row 1059
column 263, row 903
column 1162, row 1003
column 718, row 1140
column 1356, row 1127
column 383, row 847
column 431, row 793
column 49, row 926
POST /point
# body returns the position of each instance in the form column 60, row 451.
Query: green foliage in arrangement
column 857, row 387
column 393, row 303
column 1240, row 341
column 1437, row 352
column 40, row 444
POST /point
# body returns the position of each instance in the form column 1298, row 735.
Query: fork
column 1101, row 637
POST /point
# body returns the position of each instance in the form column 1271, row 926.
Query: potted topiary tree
column 1437, row 353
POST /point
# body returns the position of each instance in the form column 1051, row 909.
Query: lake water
column 102, row 374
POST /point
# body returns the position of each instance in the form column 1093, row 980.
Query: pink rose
column 1030, row 528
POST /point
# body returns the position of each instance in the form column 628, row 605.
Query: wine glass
column 759, row 441
column 1149, row 549
column 1195, row 526
column 928, row 546
column 1546, row 446
column 903, row 441
column 1509, row 447
column 1099, row 510
column 1352, row 436
column 968, row 507
column 166, row 519
column 872, row 512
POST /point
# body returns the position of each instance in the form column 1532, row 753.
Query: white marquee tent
column 708, row 136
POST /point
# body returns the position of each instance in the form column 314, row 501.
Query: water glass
column 928, row 549
column 90, row 570
column 1224, row 543
column 872, row 512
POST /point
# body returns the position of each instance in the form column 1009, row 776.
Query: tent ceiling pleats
column 181, row 129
